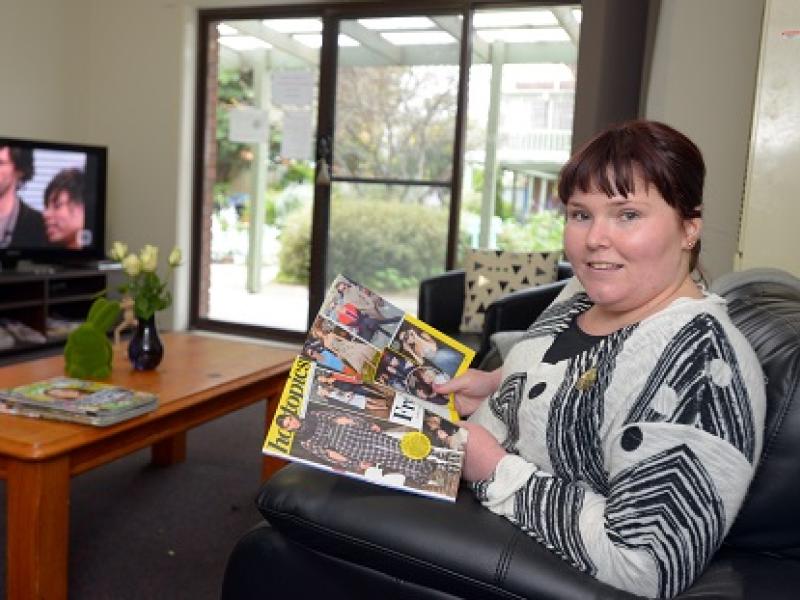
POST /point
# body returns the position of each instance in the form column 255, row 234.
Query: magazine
column 359, row 333
column 76, row 400
column 360, row 400
column 338, row 422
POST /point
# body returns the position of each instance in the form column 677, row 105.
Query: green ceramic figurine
column 88, row 350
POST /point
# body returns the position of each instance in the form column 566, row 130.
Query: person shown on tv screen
column 64, row 209
column 20, row 225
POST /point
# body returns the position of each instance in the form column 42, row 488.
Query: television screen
column 52, row 200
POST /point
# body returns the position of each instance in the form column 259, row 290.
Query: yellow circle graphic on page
column 415, row 445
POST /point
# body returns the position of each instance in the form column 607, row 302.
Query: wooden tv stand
column 33, row 297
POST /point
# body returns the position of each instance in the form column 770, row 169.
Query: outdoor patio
column 277, row 305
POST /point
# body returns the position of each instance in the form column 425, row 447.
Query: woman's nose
column 597, row 236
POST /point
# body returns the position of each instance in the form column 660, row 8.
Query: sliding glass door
column 376, row 142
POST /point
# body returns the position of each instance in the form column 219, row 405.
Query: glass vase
column 145, row 349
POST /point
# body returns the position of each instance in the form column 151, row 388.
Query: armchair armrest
column 441, row 300
column 516, row 311
column 564, row 270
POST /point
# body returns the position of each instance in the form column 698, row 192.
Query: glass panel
column 519, row 128
column 260, row 124
column 394, row 123
column 404, row 132
column 388, row 237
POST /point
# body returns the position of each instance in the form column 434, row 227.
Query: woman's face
column 629, row 253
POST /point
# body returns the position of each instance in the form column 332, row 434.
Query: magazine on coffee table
column 76, row 400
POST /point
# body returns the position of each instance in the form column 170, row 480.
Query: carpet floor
column 143, row 532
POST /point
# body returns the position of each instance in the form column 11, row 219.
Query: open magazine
column 359, row 400
column 76, row 400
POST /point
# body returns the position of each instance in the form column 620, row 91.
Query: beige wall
column 121, row 73
column 702, row 82
column 35, row 51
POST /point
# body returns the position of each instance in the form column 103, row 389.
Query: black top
column 570, row 342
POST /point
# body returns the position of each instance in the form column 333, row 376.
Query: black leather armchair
column 341, row 538
column 441, row 303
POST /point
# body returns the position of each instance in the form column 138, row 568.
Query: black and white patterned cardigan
column 631, row 459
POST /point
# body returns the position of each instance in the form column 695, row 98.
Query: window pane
column 519, row 133
column 396, row 99
column 260, row 124
column 388, row 237
column 395, row 116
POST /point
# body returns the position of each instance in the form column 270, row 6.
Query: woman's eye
column 578, row 215
column 629, row 215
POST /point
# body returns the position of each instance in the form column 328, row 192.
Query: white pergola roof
column 542, row 35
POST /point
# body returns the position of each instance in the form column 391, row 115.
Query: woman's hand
column 483, row 452
column 470, row 389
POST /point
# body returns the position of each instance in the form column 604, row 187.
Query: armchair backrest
column 765, row 305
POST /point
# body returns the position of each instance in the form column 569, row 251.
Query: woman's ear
column 692, row 228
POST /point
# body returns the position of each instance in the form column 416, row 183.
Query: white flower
column 175, row 257
column 149, row 258
column 132, row 265
column 118, row 250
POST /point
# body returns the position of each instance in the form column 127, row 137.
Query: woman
column 362, row 324
column 623, row 430
column 421, row 347
column 418, row 345
column 316, row 351
column 420, row 382
column 356, row 354
column 348, row 292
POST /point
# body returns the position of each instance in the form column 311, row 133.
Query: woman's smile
column 604, row 266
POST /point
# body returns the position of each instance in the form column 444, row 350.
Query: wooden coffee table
column 202, row 377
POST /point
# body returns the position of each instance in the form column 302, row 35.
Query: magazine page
column 359, row 333
column 362, row 312
column 367, row 431
column 419, row 356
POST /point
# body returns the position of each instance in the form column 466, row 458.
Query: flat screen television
column 52, row 202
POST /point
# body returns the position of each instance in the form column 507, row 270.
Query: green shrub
column 296, row 173
column 294, row 256
column 220, row 194
column 385, row 246
column 271, row 209
column 543, row 231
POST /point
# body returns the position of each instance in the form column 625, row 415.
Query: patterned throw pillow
column 491, row 274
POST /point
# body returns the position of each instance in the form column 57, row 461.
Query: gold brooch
column 587, row 380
